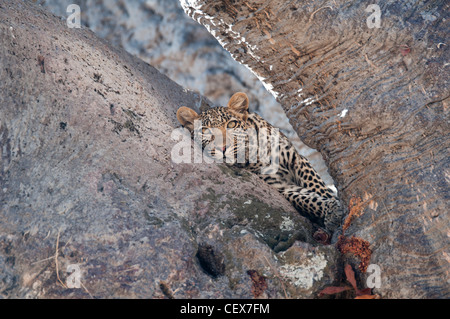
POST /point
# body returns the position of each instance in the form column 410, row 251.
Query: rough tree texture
column 86, row 178
column 160, row 33
column 375, row 102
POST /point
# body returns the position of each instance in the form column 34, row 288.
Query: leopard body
column 293, row 176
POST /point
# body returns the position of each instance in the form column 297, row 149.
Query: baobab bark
column 371, row 93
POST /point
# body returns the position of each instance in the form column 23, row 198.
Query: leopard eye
column 231, row 124
column 206, row 130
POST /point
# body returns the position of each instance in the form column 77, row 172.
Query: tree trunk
column 367, row 86
column 91, row 199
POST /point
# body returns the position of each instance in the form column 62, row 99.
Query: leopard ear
column 239, row 103
column 186, row 117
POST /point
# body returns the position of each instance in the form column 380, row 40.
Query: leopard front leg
column 297, row 180
column 323, row 210
column 326, row 212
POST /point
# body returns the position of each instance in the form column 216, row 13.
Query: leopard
column 225, row 130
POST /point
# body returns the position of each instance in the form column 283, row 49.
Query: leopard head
column 219, row 128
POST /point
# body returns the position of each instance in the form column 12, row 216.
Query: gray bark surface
column 86, row 179
column 374, row 102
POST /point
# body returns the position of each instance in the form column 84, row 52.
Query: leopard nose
column 224, row 148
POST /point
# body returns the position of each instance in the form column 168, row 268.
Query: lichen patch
column 304, row 274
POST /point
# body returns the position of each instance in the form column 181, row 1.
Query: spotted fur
column 294, row 177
